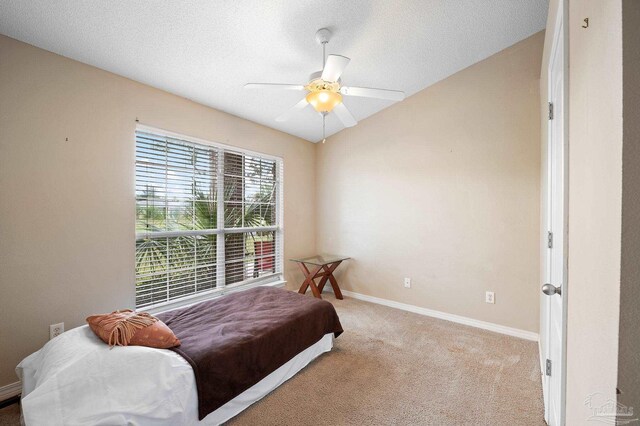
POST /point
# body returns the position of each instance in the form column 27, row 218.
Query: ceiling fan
column 326, row 90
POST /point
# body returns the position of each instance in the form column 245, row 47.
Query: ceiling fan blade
column 273, row 86
column 297, row 107
column 344, row 115
column 334, row 67
column 391, row 95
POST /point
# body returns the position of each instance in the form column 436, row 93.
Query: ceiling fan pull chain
column 324, row 116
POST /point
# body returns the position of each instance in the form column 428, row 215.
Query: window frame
column 276, row 279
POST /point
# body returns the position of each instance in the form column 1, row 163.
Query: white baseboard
column 497, row 328
column 10, row 390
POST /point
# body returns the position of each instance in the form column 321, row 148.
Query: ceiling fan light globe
column 324, row 100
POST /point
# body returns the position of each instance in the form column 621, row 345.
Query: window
column 207, row 218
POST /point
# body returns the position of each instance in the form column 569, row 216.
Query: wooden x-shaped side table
column 322, row 266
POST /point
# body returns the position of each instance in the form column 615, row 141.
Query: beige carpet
column 392, row 367
column 10, row 416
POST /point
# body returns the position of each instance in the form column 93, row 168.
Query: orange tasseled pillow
column 123, row 328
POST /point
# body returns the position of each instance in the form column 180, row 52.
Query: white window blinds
column 207, row 217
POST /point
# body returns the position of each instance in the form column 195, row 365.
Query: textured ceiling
column 207, row 50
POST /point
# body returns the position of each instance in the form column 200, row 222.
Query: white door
column 554, row 291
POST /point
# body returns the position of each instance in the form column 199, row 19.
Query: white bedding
column 75, row 379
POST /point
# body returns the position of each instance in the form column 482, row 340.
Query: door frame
column 560, row 35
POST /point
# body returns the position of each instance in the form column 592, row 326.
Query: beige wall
column 67, row 207
column 443, row 188
column 595, row 186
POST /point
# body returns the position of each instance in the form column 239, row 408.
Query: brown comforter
column 237, row 340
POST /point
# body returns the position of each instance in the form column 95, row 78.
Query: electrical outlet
column 407, row 283
column 490, row 297
column 55, row 330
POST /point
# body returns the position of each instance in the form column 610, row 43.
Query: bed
column 77, row 379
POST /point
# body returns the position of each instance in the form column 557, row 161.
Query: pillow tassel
column 125, row 328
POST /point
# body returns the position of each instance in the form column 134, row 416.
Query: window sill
column 214, row 294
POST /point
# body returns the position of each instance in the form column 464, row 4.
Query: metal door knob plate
column 550, row 289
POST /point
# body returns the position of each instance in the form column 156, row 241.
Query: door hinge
column 550, row 110
column 550, row 239
column 548, row 369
